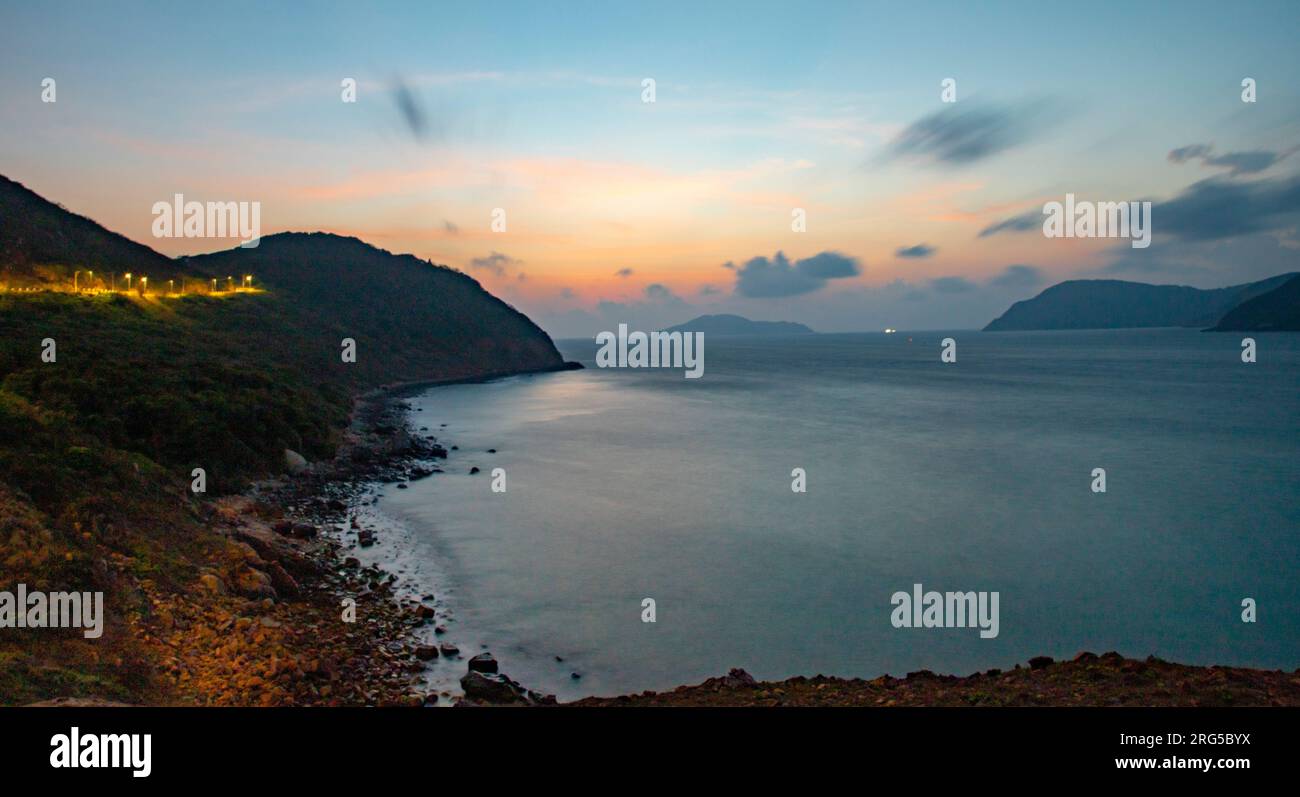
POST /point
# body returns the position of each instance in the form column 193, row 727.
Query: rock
column 212, row 584
column 492, row 450
column 401, row 486
column 472, row 471
column 449, row 649
column 366, row 538
column 254, row 584
column 304, row 531
column 483, row 662
column 426, row 652
column 1039, row 662
column 575, row 676
column 738, row 677
column 424, row 612
column 497, row 689
column 294, row 462
column 284, row 527
column 282, row 581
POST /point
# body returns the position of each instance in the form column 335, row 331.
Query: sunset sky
column 619, row 210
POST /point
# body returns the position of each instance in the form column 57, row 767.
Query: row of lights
column 246, row 282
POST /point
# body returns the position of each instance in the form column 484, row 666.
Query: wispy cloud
column 1237, row 163
column 914, row 252
column 968, row 132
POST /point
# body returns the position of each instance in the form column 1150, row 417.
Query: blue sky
column 623, row 210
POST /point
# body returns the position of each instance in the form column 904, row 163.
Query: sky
column 918, row 213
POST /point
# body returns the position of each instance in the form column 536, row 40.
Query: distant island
column 1117, row 304
column 739, row 325
column 1276, row 311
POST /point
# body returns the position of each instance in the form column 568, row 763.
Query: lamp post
column 144, row 285
column 92, row 280
column 128, row 282
column 74, row 281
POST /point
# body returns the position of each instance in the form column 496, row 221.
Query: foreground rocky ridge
column 1087, row 680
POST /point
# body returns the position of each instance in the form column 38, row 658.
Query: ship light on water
column 890, row 330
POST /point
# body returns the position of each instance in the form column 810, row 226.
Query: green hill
column 96, row 447
column 42, row 242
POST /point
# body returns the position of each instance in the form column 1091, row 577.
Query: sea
column 631, row 529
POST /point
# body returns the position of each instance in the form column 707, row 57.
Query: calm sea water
column 625, row 484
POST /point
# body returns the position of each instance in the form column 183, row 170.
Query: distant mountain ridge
column 1276, row 311
column 1117, row 304
column 728, row 324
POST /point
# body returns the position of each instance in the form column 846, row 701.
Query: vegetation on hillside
column 97, row 447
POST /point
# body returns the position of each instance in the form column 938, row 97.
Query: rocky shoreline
column 307, row 622
column 1086, row 680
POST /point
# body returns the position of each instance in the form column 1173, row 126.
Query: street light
column 92, row 280
column 128, row 282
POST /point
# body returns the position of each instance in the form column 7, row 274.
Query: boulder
column 497, row 689
column 483, row 662
column 294, row 462
column 254, row 584
column 426, row 652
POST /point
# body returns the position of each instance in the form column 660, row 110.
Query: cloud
column 952, row 285
column 920, row 250
column 761, row 277
column 411, row 110
column 965, row 133
column 623, row 272
column 659, row 293
column 1018, row 276
column 1214, row 209
column 1023, row 223
column 1237, row 163
column 495, row 263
